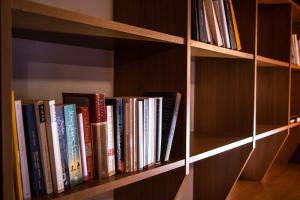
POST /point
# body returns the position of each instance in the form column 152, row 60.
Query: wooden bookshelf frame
column 173, row 53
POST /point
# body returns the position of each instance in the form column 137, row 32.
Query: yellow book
column 235, row 28
column 17, row 170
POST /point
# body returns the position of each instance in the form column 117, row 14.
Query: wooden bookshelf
column 232, row 101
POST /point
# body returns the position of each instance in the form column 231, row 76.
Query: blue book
column 33, row 151
column 63, row 144
column 73, row 146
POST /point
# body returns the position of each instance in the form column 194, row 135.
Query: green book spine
column 73, row 146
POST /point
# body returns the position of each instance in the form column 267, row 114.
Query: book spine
column 230, row 24
column 73, row 147
column 99, row 128
column 140, row 119
column 146, row 131
column 88, row 141
column 17, row 167
column 173, row 125
column 41, row 127
column 82, row 146
column 22, row 151
column 152, row 132
column 33, row 151
column 120, row 140
column 53, row 145
column 63, row 145
column 110, row 142
column 134, row 135
column 236, row 30
column 201, row 21
column 128, row 141
column 158, row 128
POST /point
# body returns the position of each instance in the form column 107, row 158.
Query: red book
column 87, row 140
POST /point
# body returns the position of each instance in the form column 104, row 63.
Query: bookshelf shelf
column 200, row 49
column 293, row 125
column 96, row 187
column 37, row 17
column 295, row 67
column 263, row 131
column 269, row 62
column 204, row 146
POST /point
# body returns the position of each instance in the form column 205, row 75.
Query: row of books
column 214, row 22
column 89, row 136
column 295, row 51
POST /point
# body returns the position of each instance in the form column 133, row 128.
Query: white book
column 220, row 11
column 39, row 109
column 213, row 23
column 159, row 101
column 151, row 132
column 146, row 131
column 110, row 141
column 82, row 145
column 140, row 122
column 53, row 144
column 22, row 151
column 209, row 39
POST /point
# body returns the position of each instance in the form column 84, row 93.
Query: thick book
column 110, row 141
column 208, row 31
column 213, row 23
column 22, row 151
column 42, row 133
column 17, row 165
column 235, row 27
column 221, row 16
column 73, row 146
column 82, row 145
column 97, row 111
column 87, row 140
column 60, row 119
column 128, row 134
column 118, row 132
column 53, row 145
column 230, row 24
column 170, row 108
column 140, row 133
column 159, row 102
column 202, row 30
column 33, row 151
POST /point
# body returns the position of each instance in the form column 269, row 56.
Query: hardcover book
column 22, row 151
column 110, row 141
column 63, row 144
column 33, row 151
column 82, row 145
column 73, row 146
column 53, row 145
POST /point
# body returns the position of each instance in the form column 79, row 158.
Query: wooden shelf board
column 203, row 146
column 95, row 187
column 264, row 130
column 38, row 17
column 282, row 182
column 269, row 62
column 295, row 124
column 295, row 67
column 200, row 49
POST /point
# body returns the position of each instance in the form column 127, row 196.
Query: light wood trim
column 34, row 16
column 293, row 125
column 221, row 149
column 200, row 49
column 6, row 115
column 271, row 132
column 295, row 67
column 269, row 62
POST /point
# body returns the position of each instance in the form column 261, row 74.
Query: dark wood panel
column 295, row 93
column 168, row 16
column 224, row 97
column 289, row 147
column 272, row 96
column 274, row 31
column 214, row 176
column 6, row 77
column 154, row 68
column 161, row 187
column 245, row 12
column 263, row 156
